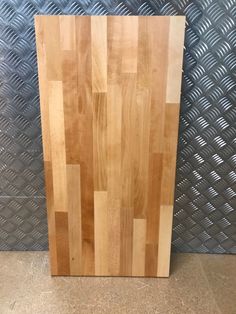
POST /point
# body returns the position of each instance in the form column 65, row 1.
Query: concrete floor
column 198, row 284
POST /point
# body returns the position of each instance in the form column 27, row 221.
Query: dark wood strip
column 154, row 197
column 151, row 260
column 85, row 139
column 84, row 63
column 100, row 141
column 62, row 243
column 71, row 109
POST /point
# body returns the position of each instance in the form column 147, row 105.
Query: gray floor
column 198, row 284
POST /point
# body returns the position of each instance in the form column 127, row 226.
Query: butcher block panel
column 109, row 94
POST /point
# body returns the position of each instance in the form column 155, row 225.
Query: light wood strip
column 114, row 53
column 127, row 176
column 171, row 128
column 57, row 132
column 168, row 179
column 130, row 45
column 142, row 118
column 175, row 52
column 169, row 157
column 127, row 138
column 114, row 127
column 43, row 83
column 51, row 217
column 52, row 48
column 99, row 53
column 67, row 32
column 126, row 241
column 139, row 242
column 164, row 245
column 114, row 118
column 74, row 218
column 101, row 233
column 114, row 236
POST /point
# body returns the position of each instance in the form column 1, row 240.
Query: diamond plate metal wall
column 205, row 207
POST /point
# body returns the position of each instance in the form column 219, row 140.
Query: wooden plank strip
column 114, row 236
column 67, row 32
column 153, row 211
column 114, row 126
column 85, row 139
column 71, row 112
column 69, row 80
column 169, row 157
column 130, row 45
column 139, row 242
column 87, row 193
column 151, row 260
column 99, row 53
column 74, row 218
column 171, row 128
column 101, row 233
column 114, row 53
column 167, row 187
column 160, row 31
column 127, row 176
column 84, row 66
column 154, row 198
column 164, row 244
column 100, row 141
column 126, row 241
column 127, row 137
column 52, row 46
column 57, row 132
column 141, row 153
column 144, row 62
column 87, row 196
column 51, row 217
column 159, row 58
column 114, row 117
column 43, row 82
column 175, row 52
column 62, row 240
column 142, row 118
column 168, row 179
column 88, row 257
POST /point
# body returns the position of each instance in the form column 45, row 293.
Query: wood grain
column 101, row 233
column 139, row 242
column 74, row 218
column 109, row 98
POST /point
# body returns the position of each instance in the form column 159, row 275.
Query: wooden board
column 109, row 93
